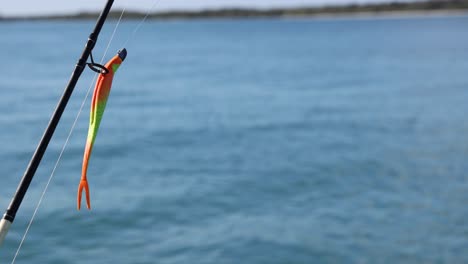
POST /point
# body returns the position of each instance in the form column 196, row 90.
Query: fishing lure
column 98, row 104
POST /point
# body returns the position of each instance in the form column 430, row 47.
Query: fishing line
column 135, row 30
column 66, row 143
column 141, row 23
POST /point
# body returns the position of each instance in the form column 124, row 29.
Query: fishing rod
column 10, row 213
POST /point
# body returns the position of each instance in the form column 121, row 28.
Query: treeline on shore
column 415, row 6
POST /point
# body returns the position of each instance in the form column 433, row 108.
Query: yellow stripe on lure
column 98, row 104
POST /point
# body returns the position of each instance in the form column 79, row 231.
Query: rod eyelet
column 99, row 68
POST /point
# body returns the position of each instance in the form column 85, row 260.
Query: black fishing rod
column 15, row 203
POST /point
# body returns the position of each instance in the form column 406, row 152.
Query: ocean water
column 245, row 141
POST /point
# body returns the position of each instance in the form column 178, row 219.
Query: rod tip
column 122, row 54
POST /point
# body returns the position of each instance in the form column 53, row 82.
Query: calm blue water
column 256, row 141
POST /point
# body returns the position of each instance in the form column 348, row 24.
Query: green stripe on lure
column 98, row 104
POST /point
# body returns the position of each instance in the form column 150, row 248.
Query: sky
column 33, row 7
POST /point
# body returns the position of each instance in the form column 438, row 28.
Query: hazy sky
column 19, row 7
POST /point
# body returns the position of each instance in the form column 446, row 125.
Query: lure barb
column 98, row 105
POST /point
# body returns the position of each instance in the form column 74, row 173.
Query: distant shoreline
column 396, row 9
column 385, row 15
